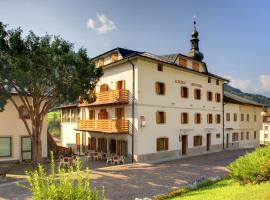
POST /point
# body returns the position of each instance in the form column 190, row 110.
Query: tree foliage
column 43, row 72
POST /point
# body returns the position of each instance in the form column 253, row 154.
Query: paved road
column 146, row 180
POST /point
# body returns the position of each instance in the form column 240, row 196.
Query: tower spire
column 194, row 51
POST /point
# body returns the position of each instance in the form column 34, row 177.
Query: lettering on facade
column 180, row 82
column 196, row 85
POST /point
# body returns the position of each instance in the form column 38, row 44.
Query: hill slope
column 254, row 97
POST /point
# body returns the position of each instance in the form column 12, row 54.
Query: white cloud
column 265, row 82
column 244, row 85
column 102, row 24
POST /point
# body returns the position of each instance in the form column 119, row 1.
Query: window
column 255, row 135
column 247, row 136
column 217, row 135
column 160, row 88
column 74, row 115
column 65, row 115
column 242, row 117
column 100, row 62
column 120, row 85
column 247, row 117
column 197, row 94
column 160, row 67
column 209, row 80
column 197, row 119
column 114, row 57
column 162, row 144
column 235, row 117
column 78, row 141
column 160, row 117
column 184, row 92
column 91, row 114
column 218, row 99
column 235, row 137
column 5, row 147
column 197, row 140
column 92, row 143
column 228, row 117
column 184, row 118
column 209, row 96
column 23, row 112
column 255, row 118
column 218, row 119
column 217, row 82
column 195, row 66
column 104, row 88
column 242, row 135
column 102, row 145
column 121, row 148
column 183, row 62
column 209, row 118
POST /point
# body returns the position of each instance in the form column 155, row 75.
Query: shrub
column 66, row 185
column 253, row 167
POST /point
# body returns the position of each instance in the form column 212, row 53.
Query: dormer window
column 183, row 62
column 114, row 57
column 195, row 66
column 100, row 62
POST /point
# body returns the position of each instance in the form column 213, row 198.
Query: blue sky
column 234, row 35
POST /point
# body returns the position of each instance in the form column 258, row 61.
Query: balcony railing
column 111, row 97
column 104, row 125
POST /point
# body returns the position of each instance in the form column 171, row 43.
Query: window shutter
column 164, row 117
column 200, row 140
column 158, row 145
column 156, row 87
column 166, row 143
column 164, row 88
column 123, row 84
column 157, row 118
column 194, row 141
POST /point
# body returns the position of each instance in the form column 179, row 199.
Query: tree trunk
column 37, row 147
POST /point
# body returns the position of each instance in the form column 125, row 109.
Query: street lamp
column 263, row 114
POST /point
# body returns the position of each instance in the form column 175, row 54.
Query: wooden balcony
column 104, row 126
column 111, row 97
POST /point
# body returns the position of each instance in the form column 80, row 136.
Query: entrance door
column 113, row 146
column 184, row 144
column 208, row 142
column 227, row 140
column 26, row 148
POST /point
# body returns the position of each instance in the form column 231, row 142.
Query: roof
column 169, row 59
column 233, row 98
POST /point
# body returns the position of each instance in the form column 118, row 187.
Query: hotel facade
column 150, row 107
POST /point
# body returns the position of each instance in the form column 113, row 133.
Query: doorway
column 26, row 148
column 208, row 141
column 227, row 140
column 113, row 146
column 184, row 144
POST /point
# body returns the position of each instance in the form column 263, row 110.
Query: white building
column 149, row 106
column 15, row 144
column 243, row 122
column 265, row 132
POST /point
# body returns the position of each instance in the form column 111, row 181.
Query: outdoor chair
column 99, row 154
column 108, row 159
column 74, row 161
column 64, row 162
column 122, row 159
column 116, row 160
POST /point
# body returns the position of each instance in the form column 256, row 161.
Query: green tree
column 43, row 72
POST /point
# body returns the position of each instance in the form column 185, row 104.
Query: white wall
column 173, row 104
column 12, row 125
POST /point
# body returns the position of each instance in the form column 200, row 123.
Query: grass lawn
column 229, row 189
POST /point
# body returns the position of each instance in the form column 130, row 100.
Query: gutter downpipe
column 223, row 121
column 133, row 111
